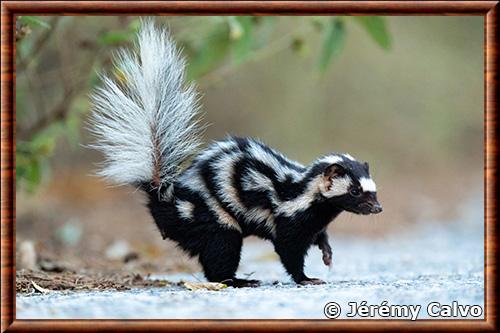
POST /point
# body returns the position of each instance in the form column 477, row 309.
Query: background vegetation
column 207, row 42
column 404, row 93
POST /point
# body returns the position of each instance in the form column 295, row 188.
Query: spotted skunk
column 145, row 124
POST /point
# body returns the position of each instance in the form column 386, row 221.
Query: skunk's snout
column 367, row 208
column 376, row 208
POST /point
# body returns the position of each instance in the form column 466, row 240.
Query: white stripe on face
column 368, row 185
column 339, row 186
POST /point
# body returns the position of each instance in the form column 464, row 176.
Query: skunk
column 146, row 124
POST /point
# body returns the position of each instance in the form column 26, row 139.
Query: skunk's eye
column 355, row 192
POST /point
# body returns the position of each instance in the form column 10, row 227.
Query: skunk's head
column 347, row 184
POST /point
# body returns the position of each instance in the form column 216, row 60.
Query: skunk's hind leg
column 221, row 256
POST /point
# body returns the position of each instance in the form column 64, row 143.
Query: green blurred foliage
column 31, row 160
column 210, row 54
column 33, row 22
column 211, row 44
column 334, row 40
column 375, row 26
column 241, row 32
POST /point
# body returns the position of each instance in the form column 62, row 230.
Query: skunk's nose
column 376, row 208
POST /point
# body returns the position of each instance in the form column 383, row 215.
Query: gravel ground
column 433, row 263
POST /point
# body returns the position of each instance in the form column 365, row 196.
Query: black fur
column 217, row 243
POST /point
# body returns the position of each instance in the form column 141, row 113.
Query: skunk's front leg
column 292, row 245
column 324, row 246
column 293, row 261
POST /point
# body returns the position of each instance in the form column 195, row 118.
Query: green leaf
column 235, row 28
column 22, row 163
column 115, row 37
column 210, row 54
column 34, row 21
column 134, row 25
column 376, row 28
column 32, row 160
column 28, row 169
column 45, row 146
column 334, row 40
column 33, row 175
column 243, row 38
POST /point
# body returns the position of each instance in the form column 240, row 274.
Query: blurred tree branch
column 58, row 113
column 38, row 45
column 62, row 109
column 71, row 88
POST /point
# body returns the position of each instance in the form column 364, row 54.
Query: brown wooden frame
column 487, row 9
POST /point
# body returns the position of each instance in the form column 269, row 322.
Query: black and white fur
column 145, row 126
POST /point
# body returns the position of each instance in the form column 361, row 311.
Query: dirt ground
column 28, row 281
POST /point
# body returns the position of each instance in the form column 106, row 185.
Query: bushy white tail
column 144, row 120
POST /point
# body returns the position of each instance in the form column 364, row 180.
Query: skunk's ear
column 334, row 170
column 367, row 167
